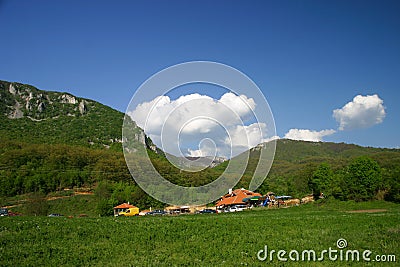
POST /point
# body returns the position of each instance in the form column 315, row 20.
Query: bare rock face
column 12, row 89
column 140, row 138
column 28, row 106
column 17, row 112
column 82, row 107
column 68, row 99
column 41, row 107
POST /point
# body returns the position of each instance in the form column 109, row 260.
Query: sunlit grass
column 231, row 239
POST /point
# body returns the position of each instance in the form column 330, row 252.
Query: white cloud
column 196, row 153
column 207, row 147
column 308, row 135
column 178, row 126
column 248, row 136
column 151, row 116
column 242, row 104
column 362, row 112
column 275, row 137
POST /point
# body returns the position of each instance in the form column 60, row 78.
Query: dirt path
column 367, row 211
column 74, row 194
column 22, row 201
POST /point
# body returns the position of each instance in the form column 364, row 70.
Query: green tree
column 104, row 207
column 363, row 179
column 123, row 192
column 392, row 184
column 321, row 180
column 103, row 193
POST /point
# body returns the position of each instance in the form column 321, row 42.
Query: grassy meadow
column 229, row 239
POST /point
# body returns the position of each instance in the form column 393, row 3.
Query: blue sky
column 308, row 57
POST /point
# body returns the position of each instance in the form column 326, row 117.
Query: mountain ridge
column 37, row 116
column 41, row 105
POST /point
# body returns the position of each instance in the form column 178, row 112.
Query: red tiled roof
column 236, row 197
column 124, row 206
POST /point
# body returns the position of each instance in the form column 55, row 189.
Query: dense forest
column 356, row 173
column 343, row 171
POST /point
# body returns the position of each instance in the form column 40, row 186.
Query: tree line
column 362, row 179
column 40, row 168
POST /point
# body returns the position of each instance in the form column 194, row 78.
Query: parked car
column 55, row 215
column 222, row 210
column 207, row 211
column 237, row 208
column 157, row 212
column 3, row 212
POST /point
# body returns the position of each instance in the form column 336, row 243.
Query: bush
column 37, row 205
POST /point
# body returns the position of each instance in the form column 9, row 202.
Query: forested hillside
column 51, row 141
column 300, row 167
column 30, row 115
column 26, row 168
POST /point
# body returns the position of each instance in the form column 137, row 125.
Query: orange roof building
column 236, row 197
column 124, row 206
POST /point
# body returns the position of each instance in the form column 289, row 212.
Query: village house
column 237, row 197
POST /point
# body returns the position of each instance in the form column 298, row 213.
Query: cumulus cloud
column 179, row 126
column 362, row 112
column 242, row 105
column 273, row 138
column 243, row 137
column 308, row 135
column 152, row 115
column 207, row 147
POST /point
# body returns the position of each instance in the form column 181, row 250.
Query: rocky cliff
column 37, row 116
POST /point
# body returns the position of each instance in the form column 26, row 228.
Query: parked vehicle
column 207, row 211
column 129, row 212
column 157, row 212
column 242, row 207
column 222, row 210
column 237, row 208
column 3, row 212
column 56, row 215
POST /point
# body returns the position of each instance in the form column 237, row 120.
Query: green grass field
column 208, row 240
